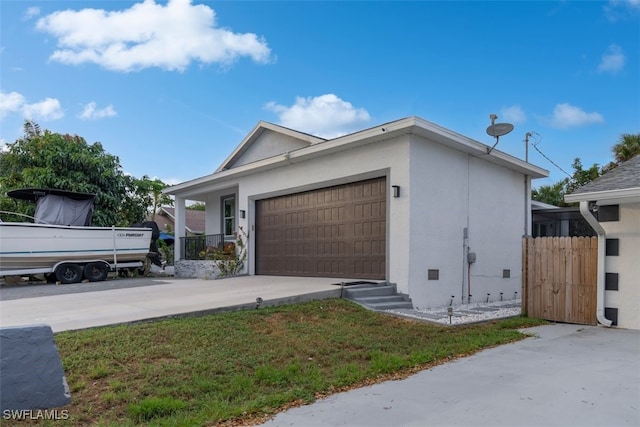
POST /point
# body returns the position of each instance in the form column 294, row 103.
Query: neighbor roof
column 621, row 184
column 194, row 219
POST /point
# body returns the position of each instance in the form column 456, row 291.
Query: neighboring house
column 194, row 223
column 402, row 202
column 554, row 221
column 611, row 204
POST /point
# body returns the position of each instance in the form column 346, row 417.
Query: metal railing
column 194, row 247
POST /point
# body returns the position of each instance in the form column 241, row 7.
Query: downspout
column 602, row 242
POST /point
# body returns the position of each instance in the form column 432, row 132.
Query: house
column 409, row 202
column 194, row 221
column 554, row 221
column 611, row 205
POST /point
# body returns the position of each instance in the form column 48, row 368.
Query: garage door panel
column 338, row 232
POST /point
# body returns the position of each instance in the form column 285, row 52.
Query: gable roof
column 378, row 134
column 295, row 140
column 619, row 185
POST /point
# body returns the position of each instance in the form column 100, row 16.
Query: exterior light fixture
column 243, row 214
column 396, row 191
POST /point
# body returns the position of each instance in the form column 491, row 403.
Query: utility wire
column 535, row 145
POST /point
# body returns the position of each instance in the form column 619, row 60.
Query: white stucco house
column 408, row 202
column 611, row 205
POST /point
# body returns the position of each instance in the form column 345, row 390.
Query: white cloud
column 148, row 35
column 14, row 102
column 567, row 116
column 48, row 109
column 612, row 60
column 31, row 12
column 513, row 114
column 326, row 116
column 621, row 9
column 90, row 112
column 10, row 103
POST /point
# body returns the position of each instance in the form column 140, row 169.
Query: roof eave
column 409, row 125
column 608, row 197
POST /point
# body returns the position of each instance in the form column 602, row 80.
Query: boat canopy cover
column 62, row 210
column 58, row 207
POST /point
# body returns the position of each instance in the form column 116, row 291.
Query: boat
column 61, row 242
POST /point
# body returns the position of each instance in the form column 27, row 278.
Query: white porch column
column 180, row 225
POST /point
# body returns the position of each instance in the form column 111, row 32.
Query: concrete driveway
column 86, row 305
column 567, row 375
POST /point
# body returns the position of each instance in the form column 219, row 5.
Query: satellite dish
column 498, row 129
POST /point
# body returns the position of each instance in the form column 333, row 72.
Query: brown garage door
column 332, row 232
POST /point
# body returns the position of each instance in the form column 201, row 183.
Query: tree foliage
column 43, row 159
column 628, row 146
column 554, row 194
column 198, row 206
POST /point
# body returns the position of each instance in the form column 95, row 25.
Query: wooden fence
column 559, row 276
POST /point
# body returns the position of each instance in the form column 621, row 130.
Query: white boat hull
column 39, row 246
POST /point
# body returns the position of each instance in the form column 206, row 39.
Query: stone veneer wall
column 206, row 270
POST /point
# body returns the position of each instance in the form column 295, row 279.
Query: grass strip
column 241, row 367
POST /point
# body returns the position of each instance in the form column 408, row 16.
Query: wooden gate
column 559, row 278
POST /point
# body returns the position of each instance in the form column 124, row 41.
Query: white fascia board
column 610, row 197
column 409, row 125
column 477, row 149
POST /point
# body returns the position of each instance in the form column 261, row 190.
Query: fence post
column 525, row 275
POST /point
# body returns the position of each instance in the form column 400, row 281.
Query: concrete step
column 380, row 296
column 362, row 291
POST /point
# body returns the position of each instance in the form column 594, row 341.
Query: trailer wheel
column 69, row 273
column 96, row 271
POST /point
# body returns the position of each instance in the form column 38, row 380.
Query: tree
column 628, row 146
column 554, row 194
column 145, row 199
column 43, row 159
column 581, row 176
column 550, row 194
column 198, row 206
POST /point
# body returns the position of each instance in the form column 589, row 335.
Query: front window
column 229, row 215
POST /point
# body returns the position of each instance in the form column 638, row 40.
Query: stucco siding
column 627, row 298
column 452, row 191
column 270, row 144
column 439, row 210
column 496, row 227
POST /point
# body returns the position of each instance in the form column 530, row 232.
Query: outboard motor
column 154, row 252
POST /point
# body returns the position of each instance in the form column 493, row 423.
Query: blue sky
column 171, row 87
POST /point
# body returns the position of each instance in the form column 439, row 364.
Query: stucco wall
column 270, row 144
column 453, row 192
column 627, row 298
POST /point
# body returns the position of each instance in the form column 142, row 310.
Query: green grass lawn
column 237, row 368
